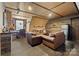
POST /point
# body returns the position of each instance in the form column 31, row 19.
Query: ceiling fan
column 18, row 7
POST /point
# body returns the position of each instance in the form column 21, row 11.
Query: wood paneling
column 75, row 27
column 37, row 25
column 49, row 5
column 9, row 19
column 55, row 25
column 66, row 9
column 58, row 9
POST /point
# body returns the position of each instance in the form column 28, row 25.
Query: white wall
column 28, row 24
column 1, row 16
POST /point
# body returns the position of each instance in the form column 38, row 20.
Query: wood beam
column 58, row 5
column 24, row 11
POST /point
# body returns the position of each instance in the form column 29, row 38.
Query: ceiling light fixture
column 29, row 8
column 50, row 14
column 18, row 8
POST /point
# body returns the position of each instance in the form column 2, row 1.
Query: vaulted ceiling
column 57, row 9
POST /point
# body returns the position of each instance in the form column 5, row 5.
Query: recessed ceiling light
column 49, row 15
column 29, row 8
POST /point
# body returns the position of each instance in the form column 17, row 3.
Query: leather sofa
column 55, row 40
column 33, row 40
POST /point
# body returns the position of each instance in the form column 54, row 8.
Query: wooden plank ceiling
column 57, row 9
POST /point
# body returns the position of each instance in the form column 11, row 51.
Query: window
column 77, row 4
column 19, row 24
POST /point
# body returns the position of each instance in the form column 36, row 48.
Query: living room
column 39, row 28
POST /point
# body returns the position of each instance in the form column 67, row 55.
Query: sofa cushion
column 52, row 35
column 47, row 38
column 46, row 34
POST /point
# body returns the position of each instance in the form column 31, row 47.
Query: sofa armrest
column 59, row 38
column 48, row 37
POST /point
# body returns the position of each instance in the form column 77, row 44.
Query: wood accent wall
column 10, row 24
column 55, row 25
column 37, row 25
column 75, row 28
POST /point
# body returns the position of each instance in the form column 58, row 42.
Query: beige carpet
column 20, row 47
column 75, row 50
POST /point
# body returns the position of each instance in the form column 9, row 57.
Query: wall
column 1, row 16
column 75, row 28
column 38, row 25
column 55, row 25
column 28, row 24
column 1, row 22
column 9, row 20
column 26, row 19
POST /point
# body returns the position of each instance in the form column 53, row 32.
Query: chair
column 21, row 33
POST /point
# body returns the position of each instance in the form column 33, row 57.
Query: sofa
column 33, row 40
column 54, row 41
